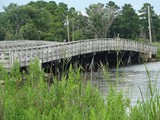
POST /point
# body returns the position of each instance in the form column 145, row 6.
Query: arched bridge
column 24, row 51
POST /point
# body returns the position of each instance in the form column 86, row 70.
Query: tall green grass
column 149, row 108
column 28, row 96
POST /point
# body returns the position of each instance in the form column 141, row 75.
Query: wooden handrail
column 50, row 51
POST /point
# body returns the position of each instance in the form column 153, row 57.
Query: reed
column 28, row 96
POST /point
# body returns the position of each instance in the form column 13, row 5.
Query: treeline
column 48, row 21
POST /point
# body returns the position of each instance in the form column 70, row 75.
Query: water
column 130, row 77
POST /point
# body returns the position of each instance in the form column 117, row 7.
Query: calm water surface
column 130, row 77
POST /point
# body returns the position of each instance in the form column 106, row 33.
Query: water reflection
column 130, row 77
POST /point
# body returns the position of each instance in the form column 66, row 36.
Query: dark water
column 130, row 77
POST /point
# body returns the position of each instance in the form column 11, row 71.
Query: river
column 130, row 77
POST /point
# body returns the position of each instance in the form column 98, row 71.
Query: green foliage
column 68, row 99
column 47, row 21
column 127, row 24
column 35, row 99
column 144, row 22
column 33, row 21
column 117, row 105
column 149, row 108
column 100, row 18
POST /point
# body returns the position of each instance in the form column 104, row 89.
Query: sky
column 80, row 5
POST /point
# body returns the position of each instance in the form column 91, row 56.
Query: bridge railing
column 53, row 52
column 5, row 58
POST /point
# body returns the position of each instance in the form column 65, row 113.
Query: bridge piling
column 129, row 59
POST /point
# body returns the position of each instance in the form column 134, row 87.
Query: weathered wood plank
column 25, row 51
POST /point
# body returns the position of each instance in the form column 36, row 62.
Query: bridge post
column 129, row 58
column 150, row 54
column 106, row 57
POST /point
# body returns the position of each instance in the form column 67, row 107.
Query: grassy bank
column 30, row 97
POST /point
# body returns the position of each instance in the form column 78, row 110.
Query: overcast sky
column 80, row 5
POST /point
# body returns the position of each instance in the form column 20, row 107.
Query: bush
column 66, row 99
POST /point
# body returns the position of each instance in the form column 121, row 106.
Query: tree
column 111, row 5
column 155, row 27
column 51, row 7
column 29, row 31
column 77, row 24
column 144, row 21
column 42, row 20
column 6, row 30
column 38, row 5
column 15, row 18
column 80, row 27
column 2, row 34
column 127, row 23
column 2, row 24
column 100, row 19
column 158, row 29
column 10, row 7
column 50, row 20
column 112, row 30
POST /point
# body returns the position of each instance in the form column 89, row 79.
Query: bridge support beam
column 150, row 55
column 106, row 57
column 129, row 58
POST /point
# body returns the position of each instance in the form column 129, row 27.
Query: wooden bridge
column 24, row 50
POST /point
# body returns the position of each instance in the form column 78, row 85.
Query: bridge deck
column 25, row 51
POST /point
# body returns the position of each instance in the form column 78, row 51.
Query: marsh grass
column 28, row 96
column 148, row 108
